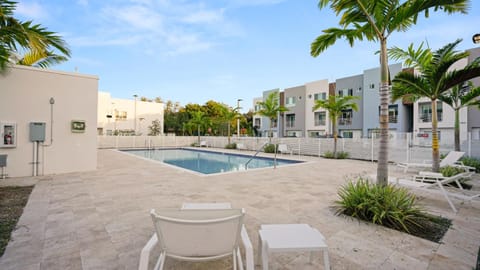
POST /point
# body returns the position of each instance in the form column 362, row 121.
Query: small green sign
column 78, row 126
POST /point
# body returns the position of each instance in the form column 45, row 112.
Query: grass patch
column 389, row 206
column 340, row 155
column 12, row 202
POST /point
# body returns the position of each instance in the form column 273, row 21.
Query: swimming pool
column 208, row 162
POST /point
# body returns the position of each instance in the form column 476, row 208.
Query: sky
column 192, row 51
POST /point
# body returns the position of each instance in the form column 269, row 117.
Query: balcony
column 290, row 124
column 319, row 122
column 427, row 117
column 345, row 121
column 393, row 119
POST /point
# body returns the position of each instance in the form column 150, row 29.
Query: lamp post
column 238, row 118
column 476, row 38
column 135, row 115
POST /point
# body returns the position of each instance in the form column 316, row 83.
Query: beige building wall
column 313, row 88
column 123, row 113
column 25, row 97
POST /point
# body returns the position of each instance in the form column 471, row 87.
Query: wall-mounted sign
column 78, row 126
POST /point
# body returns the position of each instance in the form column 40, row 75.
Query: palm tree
column 335, row 105
column 376, row 21
column 435, row 77
column 459, row 97
column 198, row 119
column 271, row 108
column 16, row 36
column 228, row 116
column 41, row 59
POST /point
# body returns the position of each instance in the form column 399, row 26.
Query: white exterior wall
column 146, row 112
column 312, row 88
column 25, row 97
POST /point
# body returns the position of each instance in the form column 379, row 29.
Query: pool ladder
column 256, row 153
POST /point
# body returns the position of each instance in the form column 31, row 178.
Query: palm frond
column 408, row 84
column 331, row 35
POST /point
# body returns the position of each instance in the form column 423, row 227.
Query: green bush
column 449, row 171
column 269, row 148
column 231, row 146
column 389, row 205
column 340, row 155
column 472, row 162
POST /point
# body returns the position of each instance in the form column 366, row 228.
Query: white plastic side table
column 291, row 237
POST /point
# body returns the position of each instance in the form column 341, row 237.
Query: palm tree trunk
column 270, row 133
column 435, row 148
column 228, row 133
column 457, row 129
column 334, row 127
column 198, row 134
column 382, row 167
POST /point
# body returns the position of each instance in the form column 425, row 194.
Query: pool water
column 208, row 162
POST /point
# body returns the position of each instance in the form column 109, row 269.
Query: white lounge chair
column 452, row 159
column 283, row 148
column 203, row 144
column 428, row 180
column 195, row 235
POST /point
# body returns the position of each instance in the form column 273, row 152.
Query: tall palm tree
column 376, row 21
column 271, row 108
column 435, row 77
column 459, row 97
column 41, row 59
column 335, row 105
column 16, row 36
column 228, row 116
column 198, row 119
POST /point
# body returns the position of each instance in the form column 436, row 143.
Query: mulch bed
column 12, row 202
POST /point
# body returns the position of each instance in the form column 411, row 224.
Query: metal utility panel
column 37, row 131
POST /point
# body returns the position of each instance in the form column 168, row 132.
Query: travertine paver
column 100, row 220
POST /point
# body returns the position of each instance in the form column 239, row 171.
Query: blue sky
column 193, row 51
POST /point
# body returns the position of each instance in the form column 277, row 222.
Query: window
column 350, row 92
column 347, row 134
column 290, row 101
column 290, row 120
column 359, row 89
column 120, row 115
column 372, row 86
column 258, row 107
column 393, row 113
column 346, row 117
column 340, row 93
column 320, row 96
column 320, row 118
column 274, row 123
column 425, row 111
column 257, row 122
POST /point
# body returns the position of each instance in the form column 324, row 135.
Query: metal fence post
column 372, row 145
column 469, row 141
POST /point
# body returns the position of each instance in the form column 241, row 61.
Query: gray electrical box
column 37, row 131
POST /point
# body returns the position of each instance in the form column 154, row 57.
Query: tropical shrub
column 472, row 162
column 449, row 171
column 270, row 148
column 231, row 146
column 340, row 155
column 390, row 206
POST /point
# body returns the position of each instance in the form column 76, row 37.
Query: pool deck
column 100, row 219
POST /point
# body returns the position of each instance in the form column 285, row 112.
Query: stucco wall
column 297, row 109
column 25, row 97
column 312, row 88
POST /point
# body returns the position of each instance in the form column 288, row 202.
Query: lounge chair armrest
column 145, row 254
column 247, row 244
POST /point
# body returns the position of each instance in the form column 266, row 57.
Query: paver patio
column 100, row 219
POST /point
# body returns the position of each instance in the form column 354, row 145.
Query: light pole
column 238, row 118
column 135, row 115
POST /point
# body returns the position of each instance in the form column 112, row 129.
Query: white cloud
column 82, row 2
column 31, row 10
column 205, row 16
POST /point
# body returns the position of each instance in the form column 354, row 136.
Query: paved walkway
column 100, row 220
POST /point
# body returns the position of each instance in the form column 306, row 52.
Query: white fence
column 402, row 147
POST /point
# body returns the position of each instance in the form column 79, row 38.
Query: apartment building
column 262, row 123
column 317, row 122
column 294, row 118
column 116, row 116
column 399, row 112
column 350, row 122
column 473, row 113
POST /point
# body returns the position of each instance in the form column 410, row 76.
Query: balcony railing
column 319, row 122
column 392, row 119
column 290, row 123
column 427, row 117
column 345, row 121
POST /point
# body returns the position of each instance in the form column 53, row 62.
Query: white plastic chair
column 195, row 235
column 283, row 148
column 203, row 144
column 241, row 146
